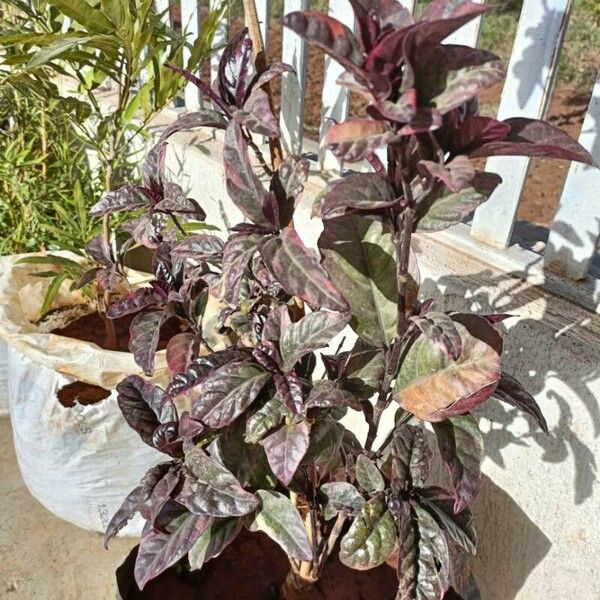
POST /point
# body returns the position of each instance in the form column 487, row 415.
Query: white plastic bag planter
column 3, row 379
column 81, row 461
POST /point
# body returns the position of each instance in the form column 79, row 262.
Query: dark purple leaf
column 476, row 131
column 443, row 208
column 403, row 110
column 188, row 427
column 100, row 251
column 455, row 175
column 243, row 186
column 313, row 331
column 287, row 184
column 363, row 371
column 176, row 201
column 272, row 71
column 144, row 333
column 509, row 390
column 214, row 540
column 443, row 17
column 125, row 198
column 238, row 253
column 133, row 303
column 411, row 457
column 277, row 322
column 202, row 118
column 88, row 277
column 153, row 168
column 423, row 555
column 461, row 445
column 357, row 191
column 158, row 551
column 181, row 350
column 146, row 229
column 328, row 394
column 227, row 392
column 139, row 401
column 354, row 139
column 286, row 447
column 530, row 137
column 441, row 330
column 328, row 34
column 211, row 489
column 298, row 271
column 198, row 247
column 125, row 512
column 200, row 369
column 256, row 114
column 234, row 68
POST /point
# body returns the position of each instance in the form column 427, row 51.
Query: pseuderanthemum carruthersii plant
column 260, row 443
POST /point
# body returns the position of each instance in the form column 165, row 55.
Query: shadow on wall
column 555, row 364
column 514, row 552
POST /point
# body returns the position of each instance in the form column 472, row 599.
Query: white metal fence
column 527, row 92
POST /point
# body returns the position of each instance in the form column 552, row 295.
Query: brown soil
column 254, row 567
column 91, row 328
column 79, row 392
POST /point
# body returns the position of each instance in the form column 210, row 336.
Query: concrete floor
column 41, row 556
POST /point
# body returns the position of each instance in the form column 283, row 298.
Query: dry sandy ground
column 41, row 556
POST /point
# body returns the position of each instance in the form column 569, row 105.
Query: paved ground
column 41, row 556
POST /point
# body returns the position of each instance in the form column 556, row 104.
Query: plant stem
column 403, row 226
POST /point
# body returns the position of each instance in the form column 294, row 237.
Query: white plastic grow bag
column 79, row 462
column 3, row 379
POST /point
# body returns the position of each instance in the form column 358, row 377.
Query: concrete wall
column 538, row 514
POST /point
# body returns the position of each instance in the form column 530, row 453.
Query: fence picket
column 190, row 24
column 263, row 12
column 293, row 87
column 576, row 227
column 162, row 8
column 336, row 99
column 220, row 38
column 531, row 73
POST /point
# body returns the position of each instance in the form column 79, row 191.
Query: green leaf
column 461, row 445
column 82, row 12
column 264, row 419
column 212, row 489
column 371, row 538
column 368, row 475
column 50, row 259
column 311, row 332
column 280, row 520
column 359, row 257
column 342, row 497
column 433, row 386
column 227, row 392
column 213, row 541
column 52, row 292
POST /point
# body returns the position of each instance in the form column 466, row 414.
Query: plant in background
column 261, row 443
column 86, row 45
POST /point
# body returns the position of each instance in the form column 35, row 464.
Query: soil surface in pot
column 79, row 392
column 91, row 328
column 253, row 568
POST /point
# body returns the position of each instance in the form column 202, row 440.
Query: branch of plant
column 403, row 226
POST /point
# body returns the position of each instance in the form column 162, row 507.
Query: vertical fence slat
column 190, row 24
column 526, row 93
column 467, row 35
column 335, row 99
column 263, row 12
column 220, row 38
column 576, row 227
column 410, row 4
column 293, row 87
column 162, row 7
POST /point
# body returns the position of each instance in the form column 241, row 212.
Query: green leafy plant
column 87, row 45
column 262, row 445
